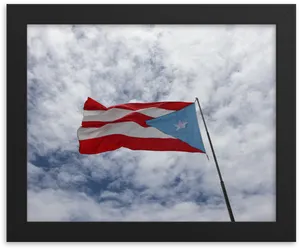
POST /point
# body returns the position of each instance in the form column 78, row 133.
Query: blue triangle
column 182, row 124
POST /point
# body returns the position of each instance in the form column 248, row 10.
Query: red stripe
column 113, row 142
column 133, row 117
column 92, row 104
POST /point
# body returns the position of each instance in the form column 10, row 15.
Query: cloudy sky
column 231, row 69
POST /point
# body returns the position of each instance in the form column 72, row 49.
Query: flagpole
column 217, row 166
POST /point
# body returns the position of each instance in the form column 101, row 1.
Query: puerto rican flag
column 156, row 126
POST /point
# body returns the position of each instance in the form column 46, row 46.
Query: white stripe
column 116, row 113
column 155, row 112
column 131, row 129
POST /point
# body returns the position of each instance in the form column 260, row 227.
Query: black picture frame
column 19, row 16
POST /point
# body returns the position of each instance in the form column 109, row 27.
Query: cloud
column 230, row 68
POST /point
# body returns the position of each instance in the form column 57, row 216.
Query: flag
column 156, row 126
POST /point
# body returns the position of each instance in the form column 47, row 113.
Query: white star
column 180, row 125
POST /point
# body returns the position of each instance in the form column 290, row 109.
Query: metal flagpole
column 217, row 165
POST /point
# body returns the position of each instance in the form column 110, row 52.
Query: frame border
column 282, row 15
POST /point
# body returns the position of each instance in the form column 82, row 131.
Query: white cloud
column 230, row 68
